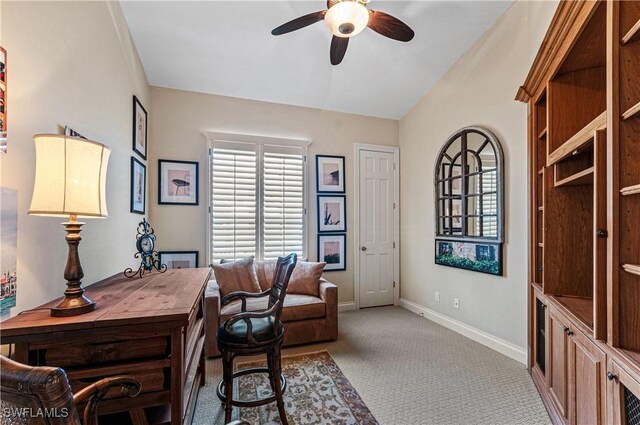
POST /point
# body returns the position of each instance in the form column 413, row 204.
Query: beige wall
column 478, row 90
column 178, row 119
column 71, row 63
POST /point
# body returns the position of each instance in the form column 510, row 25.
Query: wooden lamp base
column 74, row 302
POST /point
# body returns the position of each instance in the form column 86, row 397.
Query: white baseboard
column 495, row 343
column 348, row 306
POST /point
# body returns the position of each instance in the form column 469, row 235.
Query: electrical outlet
column 456, row 303
column 437, row 297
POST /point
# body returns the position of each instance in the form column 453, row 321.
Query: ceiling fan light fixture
column 347, row 18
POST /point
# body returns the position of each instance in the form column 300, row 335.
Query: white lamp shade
column 71, row 177
column 347, row 18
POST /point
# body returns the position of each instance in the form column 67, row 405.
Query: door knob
column 364, row 248
column 611, row 376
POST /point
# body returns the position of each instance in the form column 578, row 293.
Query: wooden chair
column 42, row 395
column 251, row 333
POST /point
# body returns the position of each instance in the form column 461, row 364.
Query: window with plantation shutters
column 257, row 200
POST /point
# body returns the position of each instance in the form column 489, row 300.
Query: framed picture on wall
column 138, row 186
column 139, row 128
column 177, row 182
column 3, row 100
column 484, row 257
column 332, row 250
column 330, row 174
column 332, row 216
column 179, row 259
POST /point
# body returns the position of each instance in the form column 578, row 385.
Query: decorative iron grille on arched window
column 469, row 201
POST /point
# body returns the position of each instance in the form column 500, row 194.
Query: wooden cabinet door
column 587, row 377
column 540, row 346
column 558, row 362
column 621, row 388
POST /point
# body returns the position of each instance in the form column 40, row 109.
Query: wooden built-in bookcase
column 583, row 93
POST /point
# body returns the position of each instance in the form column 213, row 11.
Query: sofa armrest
column 329, row 294
column 211, row 318
column 328, row 291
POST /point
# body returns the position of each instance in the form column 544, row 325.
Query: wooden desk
column 150, row 327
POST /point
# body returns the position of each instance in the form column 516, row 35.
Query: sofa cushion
column 296, row 307
column 305, row 279
column 265, row 270
column 236, row 276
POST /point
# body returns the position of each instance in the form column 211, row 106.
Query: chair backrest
column 284, row 268
column 35, row 395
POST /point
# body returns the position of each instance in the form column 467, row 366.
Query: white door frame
column 395, row 150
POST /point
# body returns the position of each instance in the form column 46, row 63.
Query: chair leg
column 277, row 370
column 271, row 368
column 227, row 376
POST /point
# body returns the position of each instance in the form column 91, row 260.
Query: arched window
column 469, row 187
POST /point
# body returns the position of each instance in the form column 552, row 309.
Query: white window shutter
column 283, row 202
column 234, row 228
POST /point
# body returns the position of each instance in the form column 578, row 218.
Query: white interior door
column 376, row 262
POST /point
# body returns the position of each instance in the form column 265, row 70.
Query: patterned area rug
column 317, row 393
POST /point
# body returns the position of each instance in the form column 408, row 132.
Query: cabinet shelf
column 540, row 244
column 584, row 177
column 632, row 268
column 633, row 34
column 630, row 190
column 581, row 307
column 629, row 113
column 541, row 171
column 540, row 208
column 578, row 140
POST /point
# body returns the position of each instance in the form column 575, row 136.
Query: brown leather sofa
column 306, row 318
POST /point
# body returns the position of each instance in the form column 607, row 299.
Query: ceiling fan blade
column 389, row 26
column 300, row 22
column 338, row 49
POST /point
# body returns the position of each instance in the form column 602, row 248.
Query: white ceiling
column 225, row 48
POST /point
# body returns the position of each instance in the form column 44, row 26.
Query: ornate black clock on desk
column 145, row 242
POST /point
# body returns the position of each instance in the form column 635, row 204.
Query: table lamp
column 71, row 176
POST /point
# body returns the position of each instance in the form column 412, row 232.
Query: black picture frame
column 133, row 205
column 320, row 218
column 164, row 254
column 342, row 265
column 491, row 263
column 164, row 198
column 135, row 134
column 324, row 188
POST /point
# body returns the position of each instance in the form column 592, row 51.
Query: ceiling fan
column 346, row 18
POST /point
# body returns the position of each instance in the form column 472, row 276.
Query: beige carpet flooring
column 409, row 370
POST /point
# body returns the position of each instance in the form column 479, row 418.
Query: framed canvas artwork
column 484, row 257
column 139, row 128
column 330, row 174
column 3, row 100
column 179, row 259
column 138, row 186
column 331, row 250
column 177, row 182
column 332, row 216
column 8, row 249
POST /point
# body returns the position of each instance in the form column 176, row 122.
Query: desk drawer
column 153, row 376
column 74, row 355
